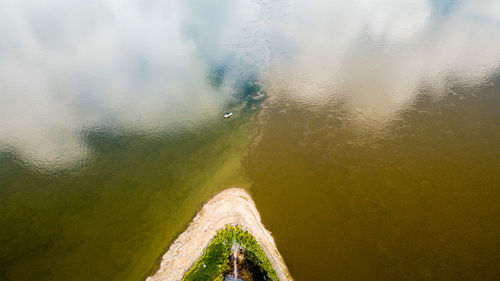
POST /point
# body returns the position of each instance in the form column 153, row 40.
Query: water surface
column 367, row 132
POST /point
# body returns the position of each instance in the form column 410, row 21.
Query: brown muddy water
column 367, row 132
column 414, row 198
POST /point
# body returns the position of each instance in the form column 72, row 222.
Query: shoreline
column 233, row 206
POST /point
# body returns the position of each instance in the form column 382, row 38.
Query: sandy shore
column 231, row 206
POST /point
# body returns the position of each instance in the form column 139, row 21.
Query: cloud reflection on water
column 143, row 65
column 379, row 52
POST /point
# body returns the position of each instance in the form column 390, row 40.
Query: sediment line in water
column 232, row 206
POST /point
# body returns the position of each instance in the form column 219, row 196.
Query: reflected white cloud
column 68, row 65
column 378, row 52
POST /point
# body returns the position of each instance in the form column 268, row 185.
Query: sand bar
column 232, row 206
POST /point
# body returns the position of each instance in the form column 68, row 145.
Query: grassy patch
column 213, row 264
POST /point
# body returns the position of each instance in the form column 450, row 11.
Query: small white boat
column 228, row 114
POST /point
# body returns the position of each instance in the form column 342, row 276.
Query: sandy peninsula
column 232, row 206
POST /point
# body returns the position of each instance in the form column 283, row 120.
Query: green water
column 112, row 218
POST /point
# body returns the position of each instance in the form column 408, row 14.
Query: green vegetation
column 213, row 264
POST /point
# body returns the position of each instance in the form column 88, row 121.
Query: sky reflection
column 144, row 65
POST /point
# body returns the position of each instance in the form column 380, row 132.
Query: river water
column 367, row 132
